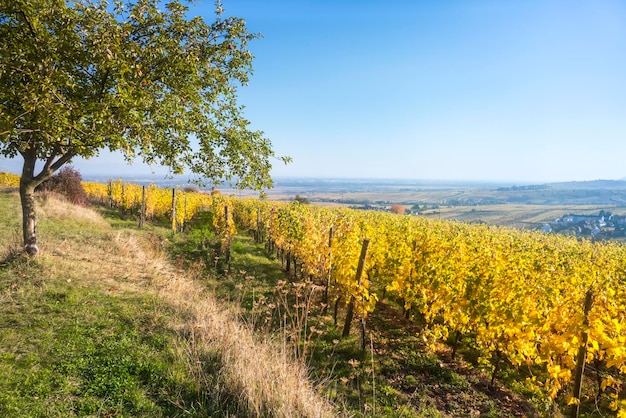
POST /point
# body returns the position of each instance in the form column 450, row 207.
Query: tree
column 302, row 199
column 138, row 77
column 396, row 208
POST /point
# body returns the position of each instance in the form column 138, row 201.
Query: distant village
column 604, row 225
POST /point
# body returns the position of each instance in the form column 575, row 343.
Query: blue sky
column 516, row 90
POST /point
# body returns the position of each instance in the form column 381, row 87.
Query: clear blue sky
column 515, row 90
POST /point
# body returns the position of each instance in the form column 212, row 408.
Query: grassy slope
column 102, row 325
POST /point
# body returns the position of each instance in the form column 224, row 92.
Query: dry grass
column 55, row 206
column 269, row 382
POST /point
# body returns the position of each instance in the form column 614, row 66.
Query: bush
column 399, row 209
column 67, row 182
column 302, row 199
column 191, row 189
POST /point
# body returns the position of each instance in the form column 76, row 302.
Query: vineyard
column 549, row 304
column 552, row 307
column 9, row 180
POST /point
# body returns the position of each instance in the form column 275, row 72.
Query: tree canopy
column 139, row 77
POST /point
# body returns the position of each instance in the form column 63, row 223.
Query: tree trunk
column 28, row 182
column 29, row 225
column 27, row 198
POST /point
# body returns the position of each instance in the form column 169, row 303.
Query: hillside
column 590, row 185
column 113, row 320
column 102, row 324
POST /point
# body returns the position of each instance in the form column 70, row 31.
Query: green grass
column 71, row 347
column 10, row 232
column 84, row 353
column 76, row 342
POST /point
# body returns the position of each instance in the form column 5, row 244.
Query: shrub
column 191, row 189
column 67, row 182
column 302, row 199
column 399, row 209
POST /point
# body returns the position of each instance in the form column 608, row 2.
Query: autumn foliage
column 68, row 183
column 395, row 208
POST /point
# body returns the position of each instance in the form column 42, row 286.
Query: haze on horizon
column 483, row 90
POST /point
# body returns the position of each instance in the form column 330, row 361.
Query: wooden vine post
column 184, row 215
column 258, row 226
column 227, row 250
column 330, row 266
column 407, row 312
column 359, row 274
column 123, row 199
column 173, row 211
column 142, row 215
column 362, row 323
column 582, row 356
column 110, row 193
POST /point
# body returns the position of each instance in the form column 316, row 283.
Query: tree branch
column 64, row 159
column 20, row 131
column 17, row 69
column 61, row 100
column 30, row 25
column 50, row 167
column 45, row 171
column 103, row 84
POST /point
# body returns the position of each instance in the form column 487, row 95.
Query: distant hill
column 589, row 185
